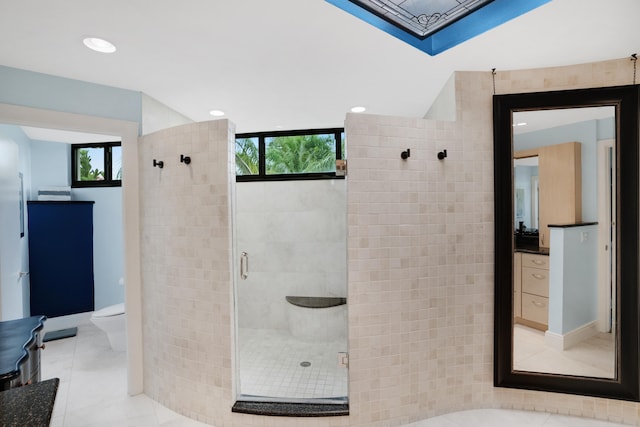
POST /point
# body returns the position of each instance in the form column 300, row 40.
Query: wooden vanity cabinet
column 532, row 274
column 559, row 185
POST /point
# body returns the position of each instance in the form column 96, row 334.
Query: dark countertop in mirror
column 576, row 224
column 539, row 251
column 528, row 241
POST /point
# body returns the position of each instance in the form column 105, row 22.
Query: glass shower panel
column 291, row 290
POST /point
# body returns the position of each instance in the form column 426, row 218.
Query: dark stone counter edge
column 579, row 224
column 540, row 251
column 284, row 409
column 30, row 405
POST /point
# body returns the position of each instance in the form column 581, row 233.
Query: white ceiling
column 297, row 64
column 531, row 121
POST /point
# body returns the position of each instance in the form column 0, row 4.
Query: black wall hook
column 405, row 154
column 159, row 163
column 185, row 159
column 442, row 154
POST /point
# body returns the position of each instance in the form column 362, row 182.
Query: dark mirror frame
column 625, row 99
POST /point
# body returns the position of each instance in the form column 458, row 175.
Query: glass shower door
column 290, row 291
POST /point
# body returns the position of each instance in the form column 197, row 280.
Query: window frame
column 108, row 180
column 262, row 173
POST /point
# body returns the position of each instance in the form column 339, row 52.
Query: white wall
column 295, row 235
column 157, row 116
column 14, row 291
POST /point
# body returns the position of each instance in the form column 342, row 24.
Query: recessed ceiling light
column 358, row 109
column 216, row 113
column 99, row 45
column 520, row 124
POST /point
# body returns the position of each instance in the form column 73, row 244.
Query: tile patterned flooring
column 509, row 418
column 270, row 365
column 593, row 357
column 92, row 393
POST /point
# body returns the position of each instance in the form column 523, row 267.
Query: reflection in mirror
column 566, row 248
column 563, row 282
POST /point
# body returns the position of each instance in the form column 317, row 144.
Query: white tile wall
column 295, row 235
column 186, row 269
column 420, row 266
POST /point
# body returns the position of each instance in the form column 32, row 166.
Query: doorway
column 606, row 234
column 14, row 301
column 128, row 132
column 290, row 291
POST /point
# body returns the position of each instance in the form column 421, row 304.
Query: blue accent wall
column 490, row 16
column 37, row 90
column 587, row 133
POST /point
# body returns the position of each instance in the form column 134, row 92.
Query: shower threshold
column 258, row 405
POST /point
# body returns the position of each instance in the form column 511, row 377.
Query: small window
column 285, row 155
column 247, row 158
column 96, row 165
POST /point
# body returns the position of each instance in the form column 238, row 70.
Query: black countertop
column 30, row 405
column 15, row 337
column 539, row 251
column 574, row 224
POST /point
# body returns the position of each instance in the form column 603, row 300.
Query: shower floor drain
column 305, row 364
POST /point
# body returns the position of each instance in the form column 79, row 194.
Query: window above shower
column 289, row 155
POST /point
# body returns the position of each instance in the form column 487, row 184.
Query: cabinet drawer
column 535, row 281
column 535, row 308
column 536, row 261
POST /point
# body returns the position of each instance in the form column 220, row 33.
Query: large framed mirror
column 566, row 241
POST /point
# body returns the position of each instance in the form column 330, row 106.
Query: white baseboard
column 562, row 342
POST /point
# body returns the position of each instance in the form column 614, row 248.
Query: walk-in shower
column 290, row 291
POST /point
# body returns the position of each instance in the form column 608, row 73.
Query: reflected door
column 12, row 305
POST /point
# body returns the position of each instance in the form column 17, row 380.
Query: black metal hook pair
column 183, row 159
column 406, row 154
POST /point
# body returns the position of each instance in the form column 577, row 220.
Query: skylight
column 434, row 26
column 421, row 17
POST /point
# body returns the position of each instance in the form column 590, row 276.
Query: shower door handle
column 244, row 265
